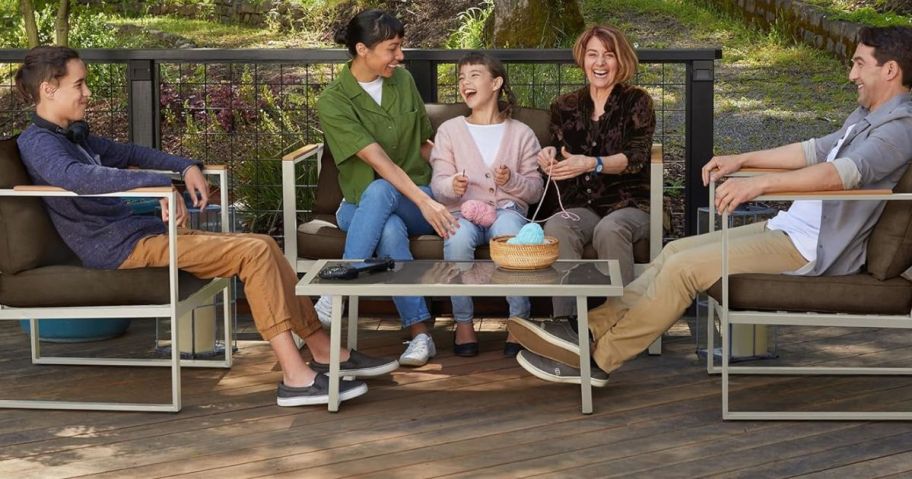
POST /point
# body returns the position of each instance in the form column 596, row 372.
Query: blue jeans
column 381, row 224
column 461, row 247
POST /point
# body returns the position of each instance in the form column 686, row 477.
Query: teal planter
column 78, row 330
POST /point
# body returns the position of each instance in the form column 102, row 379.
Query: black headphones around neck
column 77, row 132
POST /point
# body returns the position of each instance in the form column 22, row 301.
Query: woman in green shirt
column 378, row 131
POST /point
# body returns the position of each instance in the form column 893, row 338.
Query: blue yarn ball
column 531, row 233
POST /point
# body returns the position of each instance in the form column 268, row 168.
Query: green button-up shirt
column 352, row 120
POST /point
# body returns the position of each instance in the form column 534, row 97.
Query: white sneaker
column 420, row 349
column 324, row 310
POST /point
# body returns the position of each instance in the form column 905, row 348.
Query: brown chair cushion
column 28, row 239
column 538, row 120
column 890, row 245
column 72, row 285
column 853, row 294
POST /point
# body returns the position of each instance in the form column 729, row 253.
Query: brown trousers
column 269, row 281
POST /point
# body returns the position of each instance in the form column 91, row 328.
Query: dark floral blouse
column 626, row 127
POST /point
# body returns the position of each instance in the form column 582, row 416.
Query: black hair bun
column 341, row 36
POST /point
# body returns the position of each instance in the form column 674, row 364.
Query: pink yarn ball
column 479, row 212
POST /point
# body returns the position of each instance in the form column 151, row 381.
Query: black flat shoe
column 511, row 349
column 466, row 350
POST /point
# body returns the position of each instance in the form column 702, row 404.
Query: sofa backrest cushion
column 329, row 194
column 890, row 245
column 27, row 237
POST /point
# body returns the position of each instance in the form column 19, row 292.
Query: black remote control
column 352, row 270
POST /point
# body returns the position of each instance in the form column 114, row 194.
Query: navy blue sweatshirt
column 101, row 231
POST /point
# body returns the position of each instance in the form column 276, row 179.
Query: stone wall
column 802, row 21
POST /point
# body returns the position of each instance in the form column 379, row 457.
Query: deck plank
column 461, row 417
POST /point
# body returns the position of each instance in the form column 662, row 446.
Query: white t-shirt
column 374, row 89
column 487, row 138
column 802, row 220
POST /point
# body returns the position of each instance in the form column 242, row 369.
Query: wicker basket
column 523, row 256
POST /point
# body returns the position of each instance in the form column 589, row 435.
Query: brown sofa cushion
column 319, row 241
column 890, row 245
column 853, row 294
column 27, row 237
column 72, row 285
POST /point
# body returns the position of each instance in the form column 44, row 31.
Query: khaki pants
column 612, row 236
column 625, row 326
column 269, row 281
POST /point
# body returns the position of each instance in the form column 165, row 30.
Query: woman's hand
column 502, row 175
column 439, row 218
column 546, row 158
column 460, row 184
column 571, row 166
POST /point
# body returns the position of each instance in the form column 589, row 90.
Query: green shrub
column 470, row 34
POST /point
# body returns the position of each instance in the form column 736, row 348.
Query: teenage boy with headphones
column 58, row 150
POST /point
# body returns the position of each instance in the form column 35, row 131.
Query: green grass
column 846, row 11
column 205, row 33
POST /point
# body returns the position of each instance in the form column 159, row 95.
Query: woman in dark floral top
column 602, row 137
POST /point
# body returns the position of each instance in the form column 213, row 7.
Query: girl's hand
column 502, row 175
column 460, row 184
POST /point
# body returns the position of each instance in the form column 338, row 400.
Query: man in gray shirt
column 871, row 151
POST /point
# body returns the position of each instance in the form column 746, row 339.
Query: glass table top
column 482, row 277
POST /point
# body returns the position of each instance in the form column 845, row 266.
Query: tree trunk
column 28, row 18
column 535, row 23
column 62, row 24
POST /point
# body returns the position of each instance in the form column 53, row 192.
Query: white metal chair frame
column 302, row 266
column 174, row 309
column 729, row 317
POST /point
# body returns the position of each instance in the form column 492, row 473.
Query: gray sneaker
column 557, row 372
column 552, row 339
column 360, row 365
column 318, row 392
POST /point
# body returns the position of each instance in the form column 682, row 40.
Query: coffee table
column 581, row 279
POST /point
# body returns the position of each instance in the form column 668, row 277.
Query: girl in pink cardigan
column 488, row 157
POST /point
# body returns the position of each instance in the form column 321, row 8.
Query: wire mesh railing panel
column 248, row 108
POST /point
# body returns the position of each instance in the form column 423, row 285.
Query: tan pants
column 623, row 327
column 269, row 281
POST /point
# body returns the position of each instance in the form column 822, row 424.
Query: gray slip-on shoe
column 359, row 365
column 552, row 339
column 318, row 392
column 548, row 369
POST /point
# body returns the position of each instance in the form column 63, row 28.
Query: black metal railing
column 246, row 108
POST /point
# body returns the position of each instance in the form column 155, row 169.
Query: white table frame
column 355, row 290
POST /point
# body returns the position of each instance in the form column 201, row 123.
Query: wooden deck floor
column 459, row 417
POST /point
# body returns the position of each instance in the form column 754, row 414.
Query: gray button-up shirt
column 874, row 156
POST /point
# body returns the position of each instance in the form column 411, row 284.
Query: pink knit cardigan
column 455, row 150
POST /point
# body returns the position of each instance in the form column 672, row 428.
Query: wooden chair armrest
column 42, row 191
column 655, row 156
column 757, row 171
column 303, row 152
column 873, row 195
column 656, row 200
